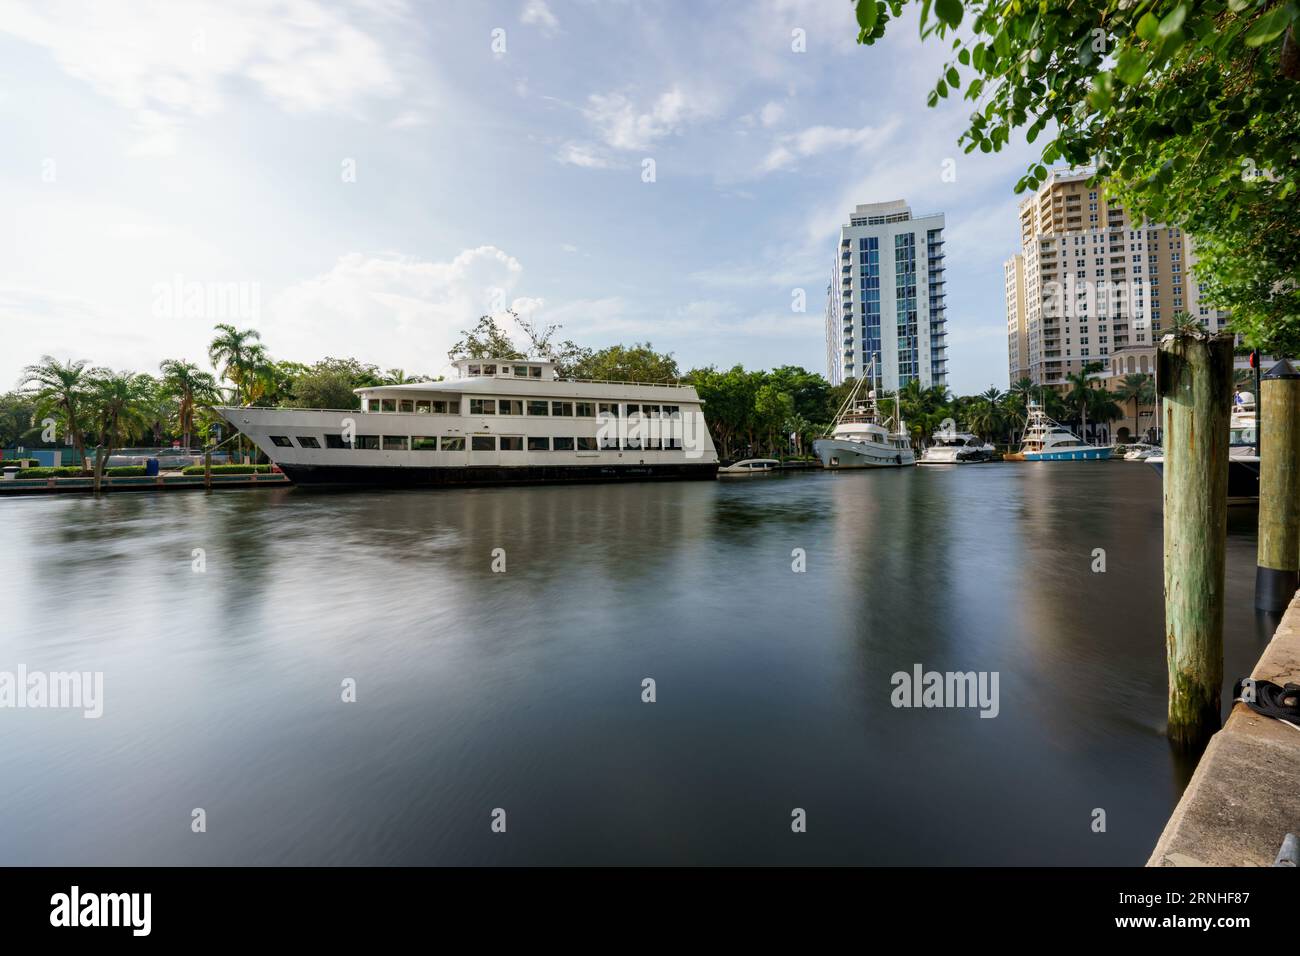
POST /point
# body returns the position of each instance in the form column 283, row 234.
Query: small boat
column 956, row 448
column 1138, row 451
column 1047, row 440
column 749, row 466
column 860, row 438
column 1243, row 454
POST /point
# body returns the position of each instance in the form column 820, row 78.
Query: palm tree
column 58, row 390
column 190, row 388
column 120, row 404
column 1137, row 388
column 1080, row 395
column 235, row 353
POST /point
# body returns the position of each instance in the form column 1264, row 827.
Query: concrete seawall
column 1244, row 797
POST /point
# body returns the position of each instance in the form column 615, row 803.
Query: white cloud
column 537, row 13
column 771, row 113
column 168, row 61
column 621, row 124
column 392, row 310
column 408, row 120
column 792, row 147
column 583, row 154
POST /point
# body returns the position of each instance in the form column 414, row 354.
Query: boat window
column 281, row 441
column 521, row 371
column 368, row 442
column 539, row 444
column 609, row 408
column 448, row 443
column 510, row 406
column 482, row 406
column 334, row 441
column 512, row 443
column 673, row 443
column 396, row 443
column 388, row 404
column 407, row 405
column 422, row 406
column 306, row 441
column 539, row 408
column 453, row 408
column 475, row 370
column 633, row 409
column 562, row 408
column 489, row 369
column 633, row 443
column 483, row 443
column 586, row 444
column 562, row 444
column 672, row 409
column 439, row 408
column 585, row 409
column 649, row 409
column 423, row 443
column 609, row 442
column 535, row 371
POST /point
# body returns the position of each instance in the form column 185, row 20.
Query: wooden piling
column 1277, row 571
column 207, row 469
column 1195, row 376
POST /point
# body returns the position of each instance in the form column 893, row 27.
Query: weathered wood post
column 207, row 468
column 98, row 473
column 1277, row 571
column 1195, row 375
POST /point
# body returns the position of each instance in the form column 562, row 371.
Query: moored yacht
column 956, row 448
column 861, row 438
column 1243, row 453
column 1046, row 440
column 499, row 421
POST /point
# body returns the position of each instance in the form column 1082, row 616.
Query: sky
column 365, row 179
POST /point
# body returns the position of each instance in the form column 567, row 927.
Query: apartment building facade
column 886, row 298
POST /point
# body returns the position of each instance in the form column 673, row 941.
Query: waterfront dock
column 14, row 487
column 1242, row 800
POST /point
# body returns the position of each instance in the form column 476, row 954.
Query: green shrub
column 18, row 462
column 229, row 470
column 127, row 471
column 51, row 473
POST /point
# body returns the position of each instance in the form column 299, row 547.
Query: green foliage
column 485, row 340
column 1188, row 110
column 52, row 473
column 330, row 383
column 638, row 362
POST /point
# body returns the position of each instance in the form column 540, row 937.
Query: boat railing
column 608, row 381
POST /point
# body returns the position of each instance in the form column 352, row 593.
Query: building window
column 539, row 444
column 482, row 406
column 281, row 441
column 306, row 441
column 483, row 443
column 562, row 444
column 512, row 443
column 396, row 443
column 423, row 443
column 449, row 443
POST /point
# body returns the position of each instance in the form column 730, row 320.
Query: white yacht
column 499, row 421
column 956, row 448
column 1046, row 440
column 860, row 438
column 1243, row 452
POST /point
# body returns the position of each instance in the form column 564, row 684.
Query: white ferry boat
column 956, row 448
column 1046, row 440
column 500, row 421
column 861, row 439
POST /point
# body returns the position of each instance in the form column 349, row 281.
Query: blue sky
column 373, row 176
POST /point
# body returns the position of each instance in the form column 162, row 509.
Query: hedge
column 18, row 462
column 229, row 470
column 130, row 471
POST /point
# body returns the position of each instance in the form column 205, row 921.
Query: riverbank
column 14, row 487
column 1242, row 800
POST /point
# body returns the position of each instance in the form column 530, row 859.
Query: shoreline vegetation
column 751, row 413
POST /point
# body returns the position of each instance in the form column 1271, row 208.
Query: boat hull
column 836, row 454
column 471, row 475
column 973, row 457
column 1243, row 478
column 1071, row 454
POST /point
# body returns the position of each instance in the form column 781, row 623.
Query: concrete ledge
column 1245, row 794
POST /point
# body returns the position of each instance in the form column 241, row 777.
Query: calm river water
column 522, row 689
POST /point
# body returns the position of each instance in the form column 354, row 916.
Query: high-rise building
column 1017, row 331
column 1097, row 287
column 886, row 298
